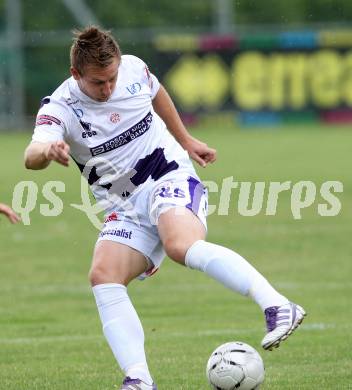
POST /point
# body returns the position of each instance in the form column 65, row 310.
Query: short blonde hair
column 93, row 46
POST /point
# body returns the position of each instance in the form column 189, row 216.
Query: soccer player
column 121, row 128
column 10, row 214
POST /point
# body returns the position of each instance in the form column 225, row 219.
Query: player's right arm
column 48, row 141
column 38, row 155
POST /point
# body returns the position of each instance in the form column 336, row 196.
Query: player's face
column 97, row 82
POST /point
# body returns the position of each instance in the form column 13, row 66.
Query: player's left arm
column 165, row 108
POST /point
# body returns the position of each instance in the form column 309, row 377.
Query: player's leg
column 114, row 266
column 183, row 234
column 114, row 262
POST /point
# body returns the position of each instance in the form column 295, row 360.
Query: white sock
column 123, row 329
column 234, row 272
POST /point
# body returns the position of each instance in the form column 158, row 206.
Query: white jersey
column 123, row 137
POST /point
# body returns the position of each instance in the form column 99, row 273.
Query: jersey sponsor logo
column 117, row 232
column 115, row 117
column 134, row 88
column 47, row 120
column 69, row 101
column 124, row 138
column 78, row 112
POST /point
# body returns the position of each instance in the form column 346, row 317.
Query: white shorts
column 137, row 228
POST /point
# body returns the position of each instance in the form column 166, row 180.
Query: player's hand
column 10, row 214
column 58, row 151
column 199, row 151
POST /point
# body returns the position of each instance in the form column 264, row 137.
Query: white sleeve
column 51, row 122
column 150, row 79
column 153, row 82
column 141, row 69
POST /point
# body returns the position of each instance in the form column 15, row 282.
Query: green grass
column 50, row 334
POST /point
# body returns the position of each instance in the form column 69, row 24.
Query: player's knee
column 97, row 275
column 104, row 272
column 176, row 249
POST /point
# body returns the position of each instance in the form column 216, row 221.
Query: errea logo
column 88, row 132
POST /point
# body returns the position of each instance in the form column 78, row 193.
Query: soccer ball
column 235, row 366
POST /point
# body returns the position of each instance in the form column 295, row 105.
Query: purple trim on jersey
column 196, row 191
column 154, row 165
column 45, row 100
column 93, row 176
column 124, row 138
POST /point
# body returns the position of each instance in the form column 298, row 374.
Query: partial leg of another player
column 114, row 266
column 183, row 236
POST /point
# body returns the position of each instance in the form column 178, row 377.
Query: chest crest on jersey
column 115, row 117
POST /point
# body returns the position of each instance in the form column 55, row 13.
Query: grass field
column 50, row 334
